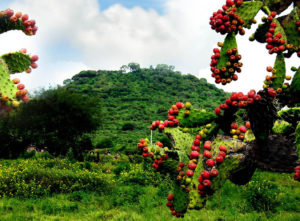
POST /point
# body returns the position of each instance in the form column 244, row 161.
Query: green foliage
column 280, row 71
column 17, row 62
column 7, row 86
column 57, row 119
column 147, row 202
column 290, row 28
column 262, row 194
column 281, row 127
column 295, row 86
column 196, row 118
column 128, row 126
column 32, row 178
column 229, row 43
column 136, row 97
column 248, row 10
column 105, row 143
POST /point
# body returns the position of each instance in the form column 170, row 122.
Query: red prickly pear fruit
column 219, row 159
column 181, row 164
column 200, row 179
column 25, row 17
column 210, row 163
column 234, row 126
column 248, row 125
column 189, row 173
column 273, row 14
column 178, row 214
column 161, row 127
column 297, row 176
column 222, row 148
column 297, row 169
column 169, row 204
column 176, row 121
column 217, row 111
column 196, row 142
column 271, row 92
column 207, row 154
column 192, row 166
column 23, row 50
column 207, row 145
column 173, row 212
column 228, row 101
column 21, row 86
column 178, row 105
column 205, row 174
column 198, row 137
column 206, row 183
column 257, row 97
column 34, row 65
column 18, row 14
column 216, row 50
column 170, row 197
column 194, row 155
column 222, row 154
column 233, row 96
column 13, row 18
column 243, row 129
column 214, row 173
column 145, row 149
column 197, row 148
column 9, row 12
column 34, row 58
column 25, row 98
column 200, row 187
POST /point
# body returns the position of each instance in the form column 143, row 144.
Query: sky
column 76, row 35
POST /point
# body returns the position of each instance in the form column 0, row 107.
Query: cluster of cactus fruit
column 256, row 131
column 12, row 92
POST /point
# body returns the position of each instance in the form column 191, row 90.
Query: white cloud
column 108, row 39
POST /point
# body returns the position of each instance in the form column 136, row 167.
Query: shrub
column 105, row 143
column 262, row 195
column 29, row 178
column 128, row 126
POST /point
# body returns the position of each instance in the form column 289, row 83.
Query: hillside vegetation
column 131, row 100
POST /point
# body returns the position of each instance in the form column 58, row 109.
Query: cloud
column 108, row 39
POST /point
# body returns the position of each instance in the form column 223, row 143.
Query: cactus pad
column 248, row 11
column 280, row 71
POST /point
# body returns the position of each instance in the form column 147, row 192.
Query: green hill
column 131, row 101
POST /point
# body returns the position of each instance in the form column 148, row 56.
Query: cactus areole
column 12, row 92
column 200, row 160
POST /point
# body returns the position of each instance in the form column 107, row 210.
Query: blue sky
column 76, row 35
column 146, row 4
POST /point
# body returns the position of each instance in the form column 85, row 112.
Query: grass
column 130, row 200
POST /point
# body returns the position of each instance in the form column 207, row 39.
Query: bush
column 63, row 117
column 123, row 166
column 28, row 155
column 30, row 178
column 262, row 195
column 128, row 126
column 105, row 143
column 44, row 155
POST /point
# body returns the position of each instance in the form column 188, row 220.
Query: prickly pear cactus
column 247, row 131
column 11, row 91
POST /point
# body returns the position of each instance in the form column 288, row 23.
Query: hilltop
column 133, row 97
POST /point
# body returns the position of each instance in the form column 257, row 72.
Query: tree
column 57, row 119
column 134, row 67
